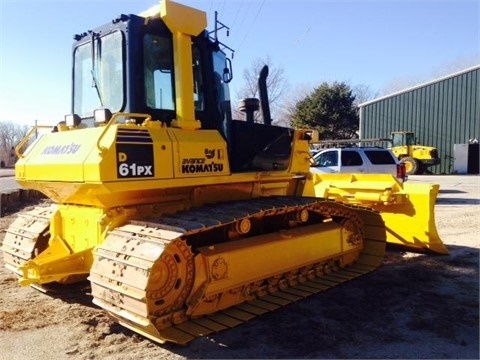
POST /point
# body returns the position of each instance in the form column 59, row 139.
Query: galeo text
column 61, row 149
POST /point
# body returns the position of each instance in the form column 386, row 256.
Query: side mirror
column 227, row 71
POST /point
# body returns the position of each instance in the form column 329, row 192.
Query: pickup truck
column 366, row 160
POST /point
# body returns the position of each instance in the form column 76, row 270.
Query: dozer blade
column 407, row 209
column 414, row 225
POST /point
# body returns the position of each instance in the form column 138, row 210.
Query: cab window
column 158, row 72
column 198, row 87
column 99, row 81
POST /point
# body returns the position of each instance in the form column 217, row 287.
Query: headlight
column 72, row 120
column 102, row 115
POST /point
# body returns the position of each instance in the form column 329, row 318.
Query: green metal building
column 442, row 113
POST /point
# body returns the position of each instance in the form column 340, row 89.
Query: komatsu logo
column 209, row 153
column 61, row 149
column 199, row 165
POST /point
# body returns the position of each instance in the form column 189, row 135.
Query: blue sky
column 374, row 43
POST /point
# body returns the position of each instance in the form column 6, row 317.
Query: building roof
column 420, row 85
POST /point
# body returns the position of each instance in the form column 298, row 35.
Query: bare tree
column 458, row 64
column 10, row 135
column 289, row 104
column 445, row 69
column 277, row 85
column 363, row 93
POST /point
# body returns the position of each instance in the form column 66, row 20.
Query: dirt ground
column 413, row 306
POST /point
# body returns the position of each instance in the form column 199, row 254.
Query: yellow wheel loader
column 185, row 221
column 417, row 158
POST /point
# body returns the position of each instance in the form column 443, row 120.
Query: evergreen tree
column 331, row 110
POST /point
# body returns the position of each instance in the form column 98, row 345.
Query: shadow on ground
column 407, row 303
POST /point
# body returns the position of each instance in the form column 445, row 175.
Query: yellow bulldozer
column 185, row 221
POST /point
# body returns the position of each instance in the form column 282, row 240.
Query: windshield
column 98, row 82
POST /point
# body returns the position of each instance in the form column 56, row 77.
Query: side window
column 380, row 157
column 329, row 158
column 222, row 93
column 158, row 74
column 198, row 91
column 221, row 87
column 351, row 158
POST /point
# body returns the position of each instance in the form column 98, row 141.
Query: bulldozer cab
column 128, row 66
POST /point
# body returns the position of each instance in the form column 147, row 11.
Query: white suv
column 366, row 160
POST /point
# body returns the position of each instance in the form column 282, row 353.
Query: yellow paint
column 75, row 231
column 226, row 267
column 408, row 209
column 199, row 153
column 184, row 22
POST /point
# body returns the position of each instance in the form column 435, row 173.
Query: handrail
column 27, row 137
column 113, row 121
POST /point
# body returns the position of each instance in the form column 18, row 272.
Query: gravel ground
column 413, row 306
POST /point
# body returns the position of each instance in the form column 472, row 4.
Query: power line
column 252, row 24
column 222, row 7
column 237, row 13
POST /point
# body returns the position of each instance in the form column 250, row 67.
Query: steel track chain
column 119, row 276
